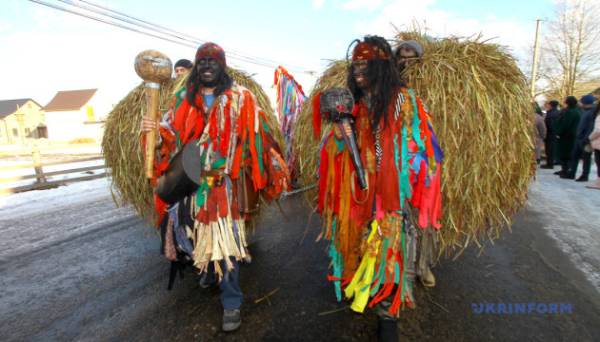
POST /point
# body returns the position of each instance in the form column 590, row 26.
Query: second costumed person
column 375, row 247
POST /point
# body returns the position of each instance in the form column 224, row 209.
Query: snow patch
column 570, row 215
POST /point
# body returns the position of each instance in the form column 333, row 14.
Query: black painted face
column 360, row 70
column 209, row 71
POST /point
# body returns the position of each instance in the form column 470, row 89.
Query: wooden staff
column 154, row 68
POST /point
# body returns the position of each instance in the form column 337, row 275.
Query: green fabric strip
column 405, row 187
column 259, row 151
column 381, row 273
column 339, row 144
column 416, row 130
column 202, row 193
column 180, row 96
column 264, row 124
column 218, row 163
column 336, row 260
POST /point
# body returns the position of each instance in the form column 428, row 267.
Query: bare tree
column 571, row 48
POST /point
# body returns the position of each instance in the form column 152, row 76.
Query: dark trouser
column 549, row 149
column 231, row 294
column 565, row 163
column 579, row 153
column 597, row 159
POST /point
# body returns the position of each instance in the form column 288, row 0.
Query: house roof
column 7, row 107
column 69, row 100
column 581, row 88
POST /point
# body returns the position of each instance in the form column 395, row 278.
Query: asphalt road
column 102, row 279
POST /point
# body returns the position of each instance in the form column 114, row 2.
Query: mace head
column 153, row 66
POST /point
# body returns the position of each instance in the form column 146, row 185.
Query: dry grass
column 482, row 116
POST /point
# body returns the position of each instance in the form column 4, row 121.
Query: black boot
column 387, row 329
column 582, row 178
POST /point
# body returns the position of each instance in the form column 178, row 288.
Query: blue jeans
column 231, row 294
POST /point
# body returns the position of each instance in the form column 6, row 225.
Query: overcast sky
column 45, row 50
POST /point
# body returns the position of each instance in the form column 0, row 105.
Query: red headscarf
column 365, row 52
column 211, row 50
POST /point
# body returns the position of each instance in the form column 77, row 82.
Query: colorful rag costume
column 373, row 238
column 234, row 141
column 290, row 98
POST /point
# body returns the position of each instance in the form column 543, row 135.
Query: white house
column 21, row 120
column 72, row 116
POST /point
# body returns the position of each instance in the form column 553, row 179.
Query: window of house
column 90, row 113
column 15, row 132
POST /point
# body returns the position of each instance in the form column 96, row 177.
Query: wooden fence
column 41, row 177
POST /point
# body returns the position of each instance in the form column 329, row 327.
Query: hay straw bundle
column 482, row 116
column 121, row 141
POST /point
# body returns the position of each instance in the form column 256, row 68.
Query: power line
column 40, row 2
column 152, row 30
column 179, row 35
column 125, row 15
column 152, row 26
column 244, row 59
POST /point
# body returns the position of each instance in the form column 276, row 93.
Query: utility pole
column 536, row 46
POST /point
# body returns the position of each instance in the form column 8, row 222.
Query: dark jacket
column 550, row 120
column 566, row 129
column 585, row 127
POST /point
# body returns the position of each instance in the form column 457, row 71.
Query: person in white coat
column 594, row 139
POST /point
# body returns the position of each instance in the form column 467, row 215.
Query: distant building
column 580, row 89
column 21, row 120
column 71, row 116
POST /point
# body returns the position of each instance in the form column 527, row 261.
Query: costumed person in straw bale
column 216, row 136
column 407, row 53
column 182, row 67
column 372, row 221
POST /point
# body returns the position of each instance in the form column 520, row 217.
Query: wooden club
column 154, row 68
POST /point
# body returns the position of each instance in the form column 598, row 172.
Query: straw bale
column 481, row 113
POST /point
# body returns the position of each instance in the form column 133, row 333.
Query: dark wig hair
column 571, row 101
column 193, row 85
column 383, row 79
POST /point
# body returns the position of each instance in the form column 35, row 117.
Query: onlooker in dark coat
column 540, row 129
column 566, row 128
column 550, row 141
column 584, row 129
